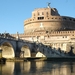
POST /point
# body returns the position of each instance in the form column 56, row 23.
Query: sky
column 14, row 12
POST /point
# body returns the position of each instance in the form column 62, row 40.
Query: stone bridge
column 15, row 47
column 12, row 47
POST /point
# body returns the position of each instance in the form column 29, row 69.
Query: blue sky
column 14, row 12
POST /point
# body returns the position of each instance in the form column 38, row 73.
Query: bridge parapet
column 6, row 35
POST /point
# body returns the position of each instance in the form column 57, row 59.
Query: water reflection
column 25, row 67
column 7, row 69
column 38, row 68
column 39, row 65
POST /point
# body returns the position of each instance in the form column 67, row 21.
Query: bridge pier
column 17, row 52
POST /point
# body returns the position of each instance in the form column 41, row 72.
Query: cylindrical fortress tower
column 48, row 19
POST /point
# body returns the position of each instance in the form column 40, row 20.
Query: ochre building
column 48, row 27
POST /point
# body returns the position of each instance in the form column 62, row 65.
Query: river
column 38, row 68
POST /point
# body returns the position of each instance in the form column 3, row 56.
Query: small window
column 70, row 19
column 64, row 18
column 42, row 13
column 65, row 36
column 47, row 13
column 48, row 36
column 74, row 20
column 40, row 18
column 55, row 18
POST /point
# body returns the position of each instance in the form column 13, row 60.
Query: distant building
column 48, row 27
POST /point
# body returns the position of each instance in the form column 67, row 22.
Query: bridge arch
column 25, row 51
column 7, row 50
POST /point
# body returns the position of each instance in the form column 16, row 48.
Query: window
column 42, row 13
column 47, row 13
column 70, row 19
column 40, row 18
column 64, row 18
column 74, row 20
column 65, row 36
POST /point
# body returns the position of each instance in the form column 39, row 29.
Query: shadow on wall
column 70, row 53
column 41, row 50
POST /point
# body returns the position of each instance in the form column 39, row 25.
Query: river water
column 38, row 68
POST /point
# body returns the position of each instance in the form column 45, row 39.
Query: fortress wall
column 56, row 39
column 50, row 18
column 54, row 24
column 42, row 26
column 47, row 34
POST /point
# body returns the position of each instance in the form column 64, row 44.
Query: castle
column 46, row 26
